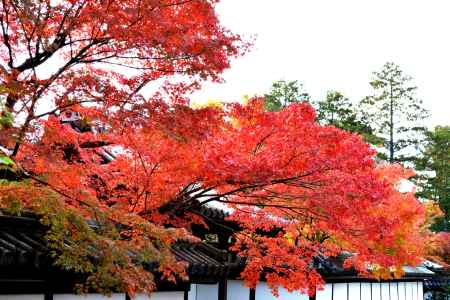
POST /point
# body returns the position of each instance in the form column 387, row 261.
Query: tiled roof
column 203, row 259
column 436, row 283
column 333, row 268
column 22, row 244
column 212, row 212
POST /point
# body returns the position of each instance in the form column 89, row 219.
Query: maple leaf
column 296, row 189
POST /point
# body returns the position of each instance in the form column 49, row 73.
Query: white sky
column 336, row 44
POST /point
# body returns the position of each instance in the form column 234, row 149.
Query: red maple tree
column 317, row 187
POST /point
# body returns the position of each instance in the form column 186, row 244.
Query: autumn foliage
column 297, row 189
column 438, row 249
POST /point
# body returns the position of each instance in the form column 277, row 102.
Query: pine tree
column 435, row 159
column 339, row 111
column 335, row 109
column 282, row 93
column 395, row 112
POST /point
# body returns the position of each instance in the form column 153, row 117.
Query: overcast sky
column 336, row 44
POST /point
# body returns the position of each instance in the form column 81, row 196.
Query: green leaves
column 434, row 172
column 282, row 93
column 6, row 120
column 393, row 110
column 8, row 168
column 5, row 160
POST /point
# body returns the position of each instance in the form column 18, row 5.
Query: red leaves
column 94, row 58
column 275, row 256
column 320, row 181
column 438, row 248
column 296, row 189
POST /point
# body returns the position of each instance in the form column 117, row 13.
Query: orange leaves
column 438, row 248
column 273, row 256
column 92, row 59
column 295, row 188
column 320, row 181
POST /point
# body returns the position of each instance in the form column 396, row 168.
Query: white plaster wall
column 409, row 290
column 192, row 295
column 340, row 291
column 401, row 291
column 415, row 291
column 372, row 291
column 393, row 290
column 365, row 290
column 354, row 291
column 88, row 297
column 263, row 292
column 161, row 296
column 207, row 291
column 21, row 297
column 420, row 291
column 326, row 293
column 376, row 291
column 385, row 291
column 236, row 290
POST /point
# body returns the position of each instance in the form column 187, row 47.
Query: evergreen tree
column 435, row 159
column 335, row 109
column 395, row 112
column 339, row 111
column 282, row 93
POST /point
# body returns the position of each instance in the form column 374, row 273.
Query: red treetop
column 296, row 189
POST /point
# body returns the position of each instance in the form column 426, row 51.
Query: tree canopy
column 283, row 93
column 339, row 111
column 317, row 186
column 395, row 112
column 434, row 172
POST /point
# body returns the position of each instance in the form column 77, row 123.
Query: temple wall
column 154, row 296
column 21, row 297
column 263, row 292
column 162, row 296
column 235, row 290
column 372, row 291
